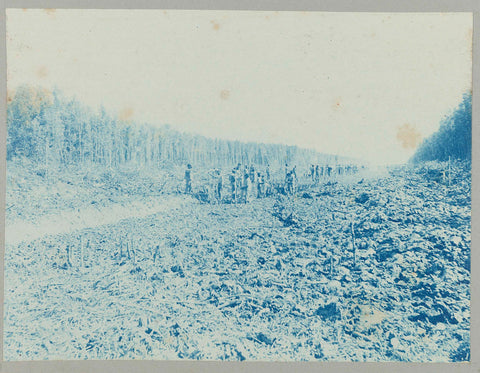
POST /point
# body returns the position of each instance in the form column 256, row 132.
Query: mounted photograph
column 238, row 185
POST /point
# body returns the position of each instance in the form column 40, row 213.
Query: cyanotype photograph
column 238, row 185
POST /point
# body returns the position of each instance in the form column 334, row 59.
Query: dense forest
column 51, row 129
column 453, row 139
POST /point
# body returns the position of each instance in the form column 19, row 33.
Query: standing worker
column 252, row 173
column 260, row 186
column 219, row 186
column 267, row 184
column 329, row 170
column 238, row 178
column 294, row 180
column 289, row 183
column 188, row 179
column 246, row 186
column 233, row 185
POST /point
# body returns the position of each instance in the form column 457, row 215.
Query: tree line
column 453, row 140
column 47, row 127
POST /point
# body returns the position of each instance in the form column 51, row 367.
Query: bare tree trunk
column 69, row 252
column 156, row 254
column 82, row 264
column 133, row 251
column 121, row 251
column 354, row 247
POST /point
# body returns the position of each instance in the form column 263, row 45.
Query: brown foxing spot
column 224, row 94
column 126, row 114
column 337, row 104
column 408, row 136
column 215, row 25
column 10, row 95
column 42, row 72
column 50, row 11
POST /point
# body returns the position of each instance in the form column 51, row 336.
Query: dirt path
column 68, row 221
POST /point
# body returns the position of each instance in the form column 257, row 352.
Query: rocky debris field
column 376, row 269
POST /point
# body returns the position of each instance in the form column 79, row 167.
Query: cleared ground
column 371, row 269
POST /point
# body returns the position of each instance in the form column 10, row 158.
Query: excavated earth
column 365, row 269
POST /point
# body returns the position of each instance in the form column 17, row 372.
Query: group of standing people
column 327, row 171
column 246, row 182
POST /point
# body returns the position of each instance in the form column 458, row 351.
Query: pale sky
column 367, row 85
